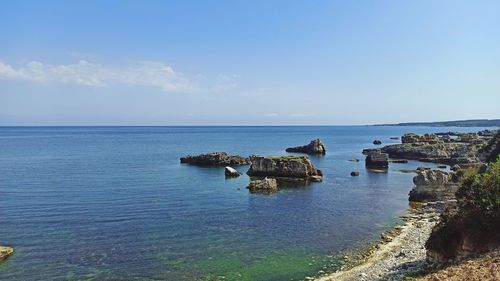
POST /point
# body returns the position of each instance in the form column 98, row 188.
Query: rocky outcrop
column 315, row 147
column 368, row 151
column 433, row 185
column 266, row 185
column 377, row 161
column 437, row 153
column 377, row 142
column 5, row 252
column 231, row 172
column 215, row 159
column 284, row 166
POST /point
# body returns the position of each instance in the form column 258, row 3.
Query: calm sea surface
column 114, row 203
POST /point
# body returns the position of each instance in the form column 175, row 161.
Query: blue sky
column 247, row 62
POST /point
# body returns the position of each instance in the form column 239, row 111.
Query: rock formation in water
column 5, row 252
column 446, row 148
column 368, row 151
column 215, row 159
column 299, row 167
column 315, row 147
column 266, row 185
column 377, row 142
column 377, row 161
column 433, row 185
column 354, row 174
column 231, row 172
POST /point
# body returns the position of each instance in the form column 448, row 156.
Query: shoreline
column 398, row 254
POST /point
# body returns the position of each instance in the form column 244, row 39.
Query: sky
column 259, row 62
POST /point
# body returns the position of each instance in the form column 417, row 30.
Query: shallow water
column 115, row 203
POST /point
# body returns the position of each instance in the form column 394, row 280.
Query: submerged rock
column 284, row 166
column 5, row 252
column 354, row 174
column 314, row 147
column 377, row 161
column 231, row 172
column 265, row 185
column 215, row 159
column 433, row 185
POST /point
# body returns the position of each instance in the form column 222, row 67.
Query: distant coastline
column 456, row 123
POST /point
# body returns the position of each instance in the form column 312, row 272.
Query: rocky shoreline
column 400, row 253
column 404, row 255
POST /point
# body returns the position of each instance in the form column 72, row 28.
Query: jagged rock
column 377, row 161
column 354, row 174
column 284, row 166
column 368, row 151
column 314, row 147
column 5, row 252
column 433, row 185
column 215, row 159
column 265, row 185
column 377, row 142
column 231, row 172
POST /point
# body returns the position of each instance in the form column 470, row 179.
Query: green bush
column 475, row 218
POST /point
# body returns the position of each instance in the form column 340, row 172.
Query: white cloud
column 143, row 73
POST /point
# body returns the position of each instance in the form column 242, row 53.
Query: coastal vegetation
column 474, row 224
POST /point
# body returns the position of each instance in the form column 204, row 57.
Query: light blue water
column 115, row 203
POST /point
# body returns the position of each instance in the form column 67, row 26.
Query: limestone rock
column 314, row 147
column 433, row 185
column 215, row 159
column 284, row 166
column 231, row 172
column 5, row 252
column 265, row 185
column 377, row 161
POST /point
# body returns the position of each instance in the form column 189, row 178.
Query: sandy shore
column 403, row 256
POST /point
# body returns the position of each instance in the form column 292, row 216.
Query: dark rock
column 368, row 151
column 377, row 142
column 231, row 172
column 442, row 166
column 284, row 166
column 377, row 161
column 354, row 160
column 400, row 161
column 265, row 185
column 394, row 138
column 455, row 168
column 315, row 147
column 354, row 174
column 215, row 159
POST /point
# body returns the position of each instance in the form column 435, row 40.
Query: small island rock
column 265, row 185
column 354, row 174
column 377, row 161
column 215, row 159
column 315, row 147
column 377, row 142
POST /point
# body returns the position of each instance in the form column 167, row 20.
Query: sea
column 115, row 203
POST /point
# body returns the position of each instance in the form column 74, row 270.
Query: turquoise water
column 94, row 203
